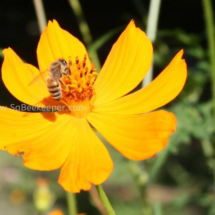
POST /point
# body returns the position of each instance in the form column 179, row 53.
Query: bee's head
column 63, row 61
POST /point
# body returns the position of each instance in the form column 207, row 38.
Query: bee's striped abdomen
column 54, row 88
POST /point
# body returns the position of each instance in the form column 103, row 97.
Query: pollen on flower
column 79, row 84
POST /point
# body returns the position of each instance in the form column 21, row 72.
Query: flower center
column 78, row 90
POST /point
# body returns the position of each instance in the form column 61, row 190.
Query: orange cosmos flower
column 65, row 139
column 56, row 212
column 59, row 212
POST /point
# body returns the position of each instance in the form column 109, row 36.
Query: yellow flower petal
column 137, row 137
column 40, row 137
column 17, row 75
column 127, row 64
column 57, row 43
column 158, row 93
column 88, row 161
column 14, row 127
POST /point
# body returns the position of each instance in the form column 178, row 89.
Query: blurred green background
column 179, row 180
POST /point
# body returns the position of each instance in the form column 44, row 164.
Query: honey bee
column 56, row 70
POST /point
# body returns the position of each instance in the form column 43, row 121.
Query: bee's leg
column 66, row 74
column 62, row 83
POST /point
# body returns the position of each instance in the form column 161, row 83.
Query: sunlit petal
column 158, row 93
column 88, row 160
column 57, row 43
column 137, row 137
column 126, row 65
column 17, row 75
column 38, row 137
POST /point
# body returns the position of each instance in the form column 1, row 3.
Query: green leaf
column 97, row 44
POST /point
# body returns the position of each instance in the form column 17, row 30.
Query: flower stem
column 158, row 209
column 72, row 206
column 84, row 29
column 208, row 152
column 1, row 53
column 151, row 31
column 209, row 22
column 41, row 17
column 141, row 178
column 105, row 200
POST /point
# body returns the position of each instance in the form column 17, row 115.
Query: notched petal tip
column 54, row 23
column 132, row 23
column 56, row 43
column 182, row 51
column 172, row 120
column 132, row 27
column 5, row 50
column 178, row 56
column 50, row 22
column 124, row 67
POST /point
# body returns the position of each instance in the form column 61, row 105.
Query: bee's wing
column 42, row 75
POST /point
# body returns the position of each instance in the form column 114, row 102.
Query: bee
column 56, row 70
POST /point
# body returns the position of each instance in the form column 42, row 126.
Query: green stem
column 158, row 208
column 71, row 201
column 41, row 17
column 209, row 22
column 84, row 29
column 1, row 53
column 105, row 200
column 151, row 31
column 209, row 154
column 141, row 178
